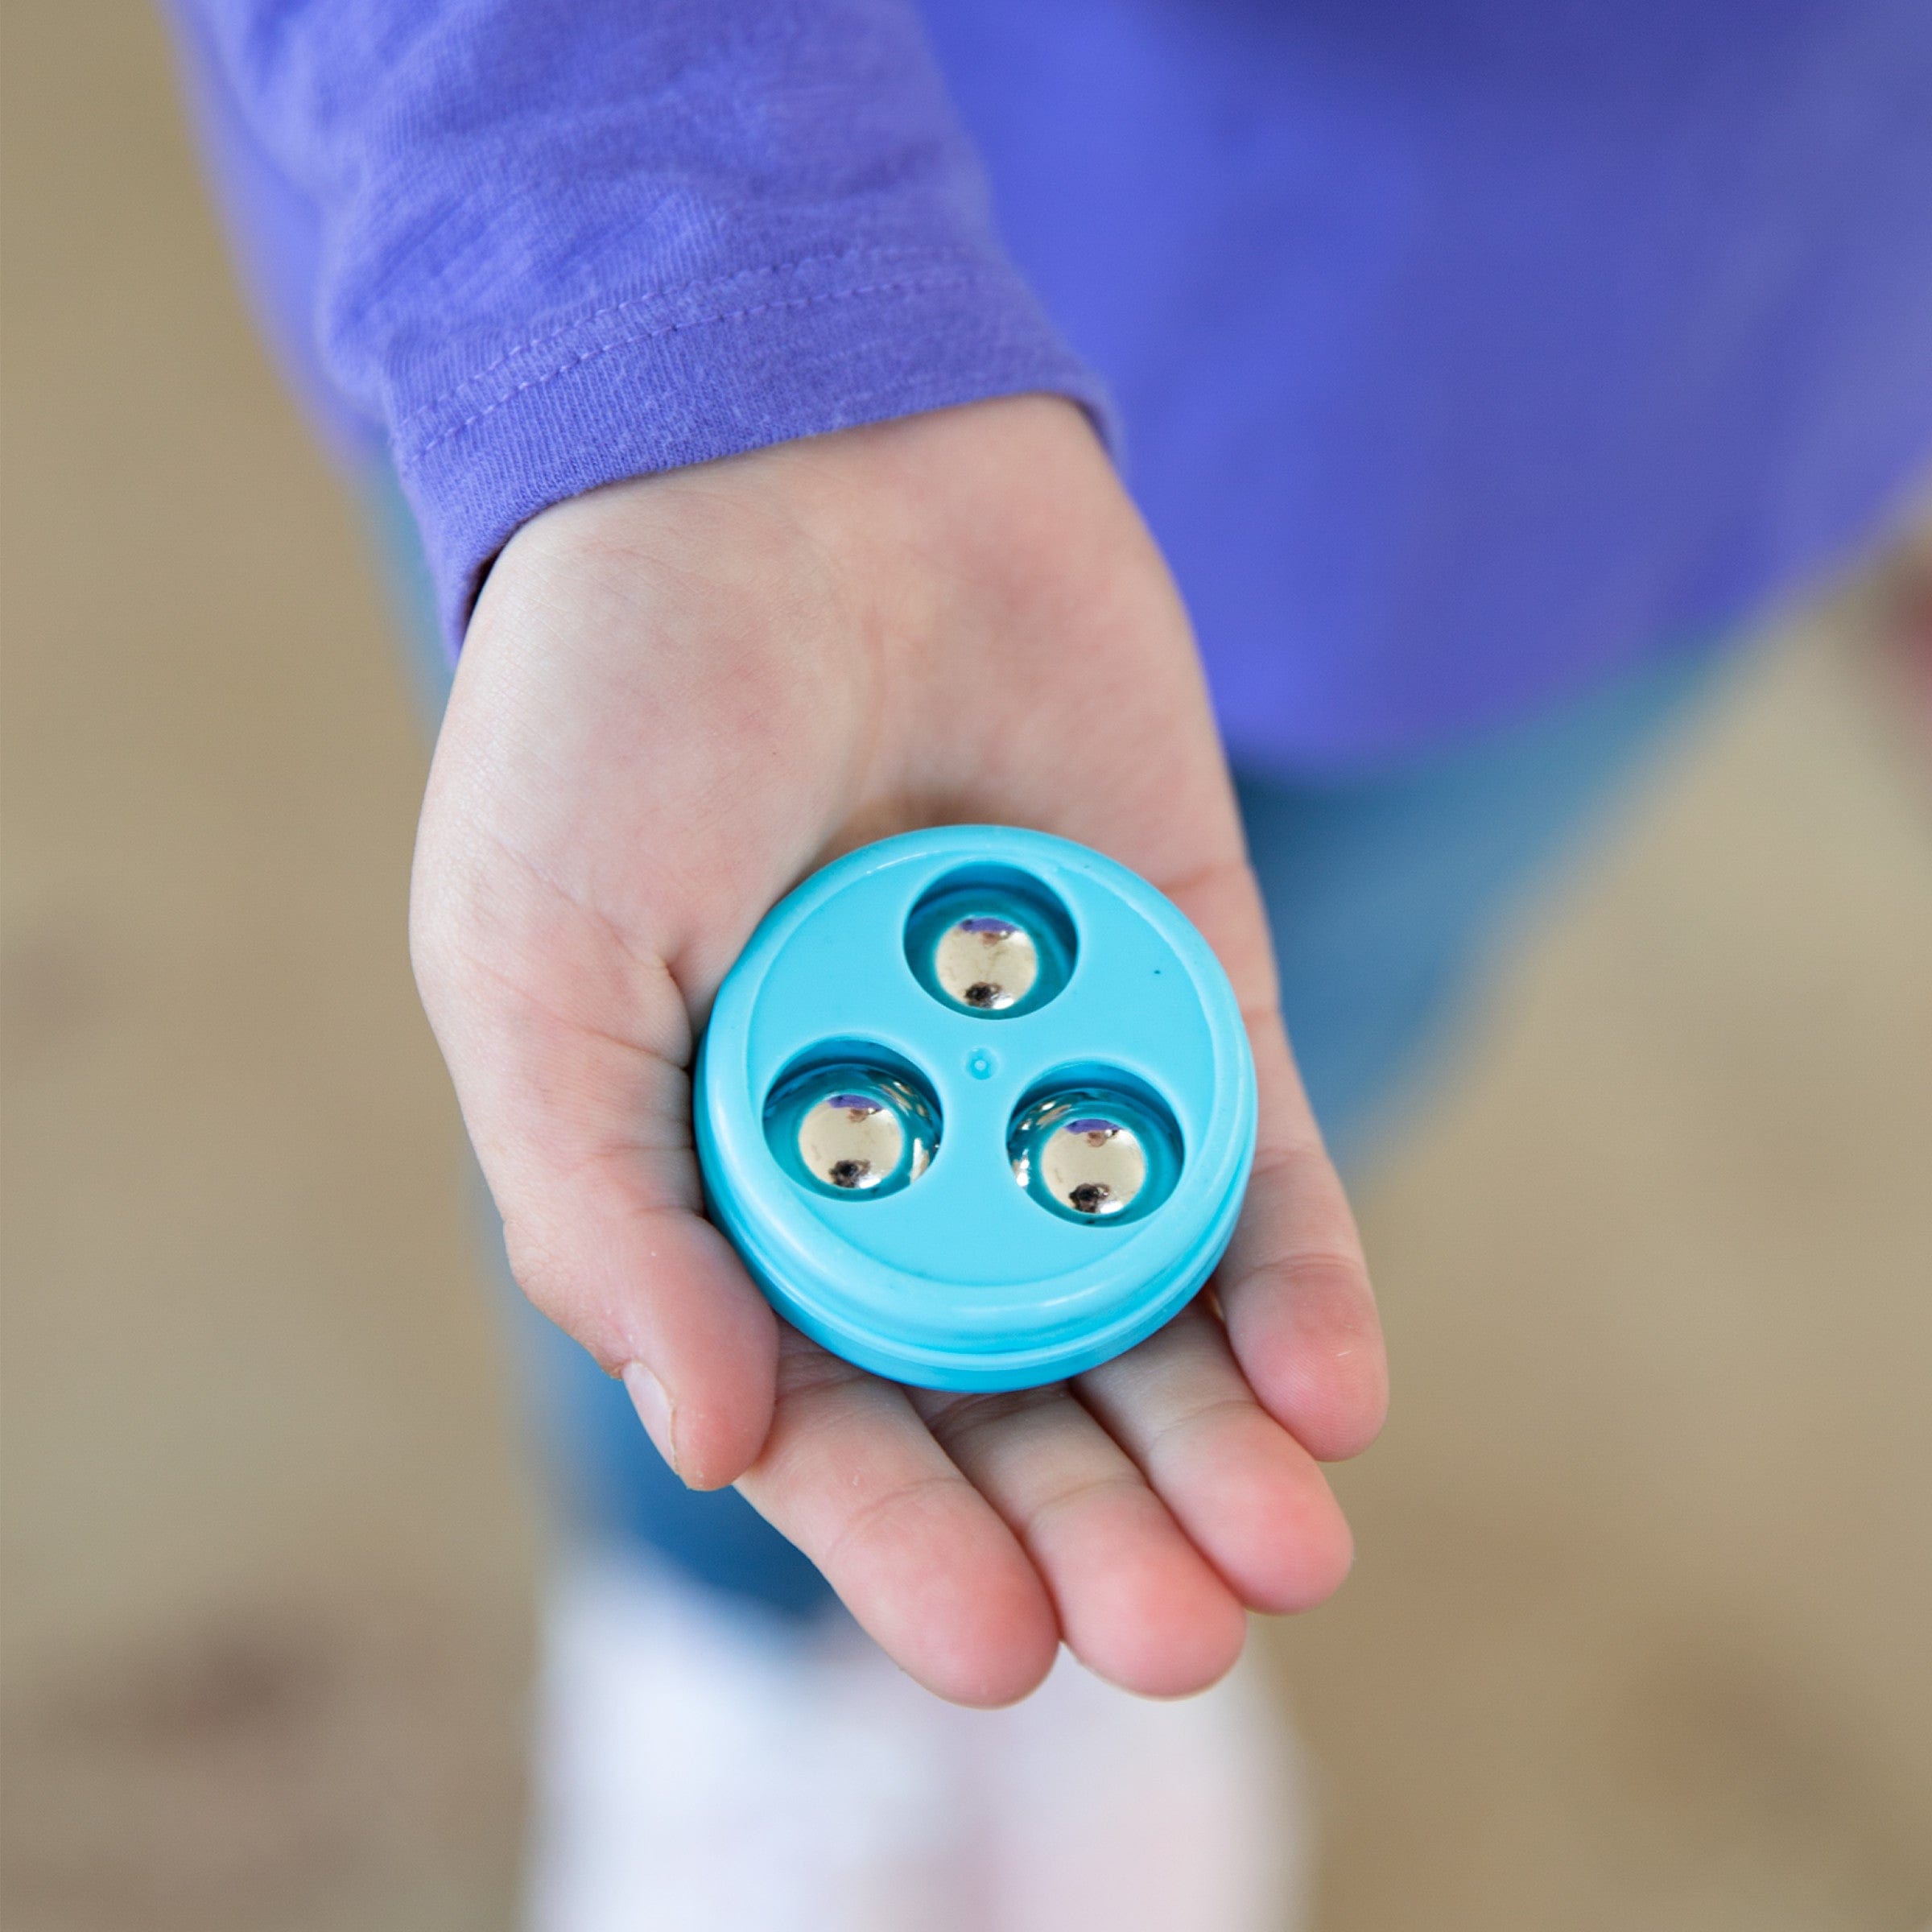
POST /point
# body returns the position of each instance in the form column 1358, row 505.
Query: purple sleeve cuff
column 539, row 245
column 665, row 380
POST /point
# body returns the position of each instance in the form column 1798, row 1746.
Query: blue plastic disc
column 977, row 1107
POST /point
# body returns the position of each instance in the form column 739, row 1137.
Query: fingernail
column 653, row 1405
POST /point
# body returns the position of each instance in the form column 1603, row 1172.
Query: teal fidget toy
column 977, row 1107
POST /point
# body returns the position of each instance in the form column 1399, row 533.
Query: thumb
column 568, row 1058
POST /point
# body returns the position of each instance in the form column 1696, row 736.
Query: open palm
column 678, row 697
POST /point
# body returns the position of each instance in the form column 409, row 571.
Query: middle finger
column 1137, row 1602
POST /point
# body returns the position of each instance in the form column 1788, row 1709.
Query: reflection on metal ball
column 986, row 962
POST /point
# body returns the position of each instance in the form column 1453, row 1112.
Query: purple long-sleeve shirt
column 1460, row 352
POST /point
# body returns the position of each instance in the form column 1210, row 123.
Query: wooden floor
column 1638, row 1639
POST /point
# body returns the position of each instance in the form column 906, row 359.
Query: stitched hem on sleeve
column 654, row 394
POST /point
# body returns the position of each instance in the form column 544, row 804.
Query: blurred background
column 1640, row 1635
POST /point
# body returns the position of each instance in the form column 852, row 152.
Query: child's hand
column 680, row 696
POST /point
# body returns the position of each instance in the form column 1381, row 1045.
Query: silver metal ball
column 1093, row 1165
column 854, row 1140
column 986, row 962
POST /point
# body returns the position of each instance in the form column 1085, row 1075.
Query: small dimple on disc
column 1093, row 1165
column 986, row 962
column 852, row 1140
